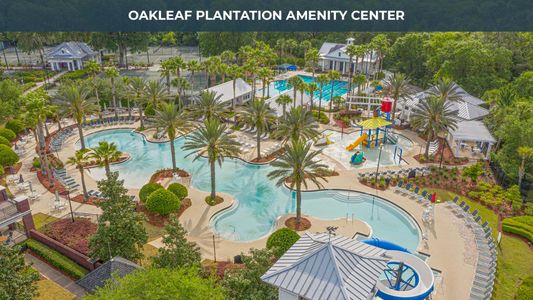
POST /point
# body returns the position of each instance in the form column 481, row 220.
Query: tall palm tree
column 234, row 72
column 178, row 64
column 227, row 56
column 136, row 90
column 104, row 154
column 381, row 43
column 155, row 92
column 284, row 100
column 166, row 70
column 112, row 73
column 251, row 66
column 182, row 85
column 322, row 80
column 222, row 70
column 170, row 118
column 259, row 114
column 193, row 66
column 265, row 75
column 212, row 140
column 447, row 90
column 312, row 87
column 312, row 56
column 359, row 80
column 397, row 86
column 76, row 103
column 297, row 123
column 297, row 165
column 351, row 50
column 208, row 105
column 294, row 82
column 432, row 117
column 302, row 87
column 93, row 68
column 332, row 76
column 79, row 160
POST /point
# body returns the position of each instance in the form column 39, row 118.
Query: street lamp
column 67, row 189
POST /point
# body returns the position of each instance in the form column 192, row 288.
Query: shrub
column 4, row 141
column 148, row 189
column 179, row 190
column 323, row 119
column 36, row 163
column 162, row 202
column 15, row 125
column 8, row 157
column 522, row 226
column 525, row 290
column 529, row 209
column 281, row 240
column 8, row 134
column 57, row 259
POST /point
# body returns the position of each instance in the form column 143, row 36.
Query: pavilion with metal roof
column 471, row 136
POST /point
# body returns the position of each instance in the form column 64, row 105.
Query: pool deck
column 450, row 244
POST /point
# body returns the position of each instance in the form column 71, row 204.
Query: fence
column 502, row 179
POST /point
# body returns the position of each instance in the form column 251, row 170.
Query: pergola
column 471, row 132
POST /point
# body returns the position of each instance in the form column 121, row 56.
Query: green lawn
column 49, row 290
column 41, row 219
column 514, row 255
column 154, row 232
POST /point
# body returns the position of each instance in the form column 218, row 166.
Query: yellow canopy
column 374, row 123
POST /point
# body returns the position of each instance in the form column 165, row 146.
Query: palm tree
column 193, row 66
column 79, row 160
column 302, row 87
column 173, row 121
column 381, row 43
column 397, row 86
column 359, row 80
column 112, row 73
column 211, row 139
column 321, row 79
column 182, row 85
column 251, row 66
column 432, row 117
column 166, row 70
column 222, row 70
column 265, row 75
column 136, row 87
column 284, row 100
column 297, row 123
column 227, row 56
column 447, row 90
column 104, row 154
column 297, row 166
column 178, row 64
column 234, row 72
column 351, row 50
column 76, row 103
column 93, row 68
column 312, row 56
column 208, row 105
column 312, row 87
column 332, row 76
column 294, row 82
column 258, row 114
column 155, row 92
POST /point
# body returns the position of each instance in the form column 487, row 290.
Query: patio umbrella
column 30, row 187
column 21, row 180
column 434, row 197
column 57, row 196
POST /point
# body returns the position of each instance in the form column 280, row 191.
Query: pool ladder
column 348, row 218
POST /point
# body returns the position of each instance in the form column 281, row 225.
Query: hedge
column 178, row 189
column 147, row 189
column 8, row 134
column 323, row 117
column 281, row 240
column 57, row 259
column 15, row 125
column 514, row 225
column 8, row 157
column 162, row 202
column 525, row 290
column 4, row 141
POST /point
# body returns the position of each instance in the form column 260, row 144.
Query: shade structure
column 374, row 123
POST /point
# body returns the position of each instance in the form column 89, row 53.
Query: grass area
column 49, row 290
column 514, row 255
column 154, row 232
column 41, row 219
column 148, row 251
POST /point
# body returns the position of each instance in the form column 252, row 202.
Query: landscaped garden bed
column 159, row 220
column 160, row 175
column 303, row 225
column 75, row 234
column 158, row 203
column 446, row 156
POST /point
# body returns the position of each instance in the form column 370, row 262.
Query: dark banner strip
column 265, row 15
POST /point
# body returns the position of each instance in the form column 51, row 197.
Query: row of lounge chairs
column 413, row 192
column 59, row 138
column 253, row 130
column 483, row 283
column 66, row 180
column 269, row 150
column 400, row 173
column 109, row 121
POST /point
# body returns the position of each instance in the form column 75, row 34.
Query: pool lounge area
column 278, row 87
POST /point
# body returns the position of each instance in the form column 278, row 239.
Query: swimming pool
column 340, row 88
column 259, row 201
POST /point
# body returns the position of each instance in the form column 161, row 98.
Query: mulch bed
column 168, row 173
column 43, row 179
column 160, row 221
column 304, row 224
column 124, row 157
column 448, row 158
column 374, row 186
column 90, row 200
column 72, row 234
column 217, row 201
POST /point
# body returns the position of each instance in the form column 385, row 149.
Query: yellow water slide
column 357, row 142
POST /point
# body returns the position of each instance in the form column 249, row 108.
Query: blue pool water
column 340, row 88
column 259, row 200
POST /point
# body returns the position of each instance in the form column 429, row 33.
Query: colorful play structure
column 324, row 140
column 358, row 158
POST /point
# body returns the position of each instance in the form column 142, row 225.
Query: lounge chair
column 414, row 193
column 422, row 196
column 398, row 187
column 407, row 189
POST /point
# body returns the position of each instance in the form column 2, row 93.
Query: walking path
column 54, row 275
column 40, row 84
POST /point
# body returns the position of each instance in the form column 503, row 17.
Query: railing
column 7, row 209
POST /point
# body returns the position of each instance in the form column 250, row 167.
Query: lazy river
column 259, row 202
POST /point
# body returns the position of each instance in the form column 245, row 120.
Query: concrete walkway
column 50, row 80
column 55, row 276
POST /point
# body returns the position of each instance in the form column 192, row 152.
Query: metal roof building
column 317, row 267
column 243, row 91
column 70, row 56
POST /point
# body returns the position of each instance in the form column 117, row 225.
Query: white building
column 70, row 56
column 243, row 91
column 333, row 56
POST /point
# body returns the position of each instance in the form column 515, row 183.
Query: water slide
column 352, row 146
column 358, row 158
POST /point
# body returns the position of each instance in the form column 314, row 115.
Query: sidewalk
column 50, row 80
column 55, row 276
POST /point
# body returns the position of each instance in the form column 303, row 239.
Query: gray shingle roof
column 117, row 266
column 472, row 131
column 70, row 50
column 314, row 268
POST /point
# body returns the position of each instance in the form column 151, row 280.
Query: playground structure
column 324, row 140
column 406, row 275
column 358, row 158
